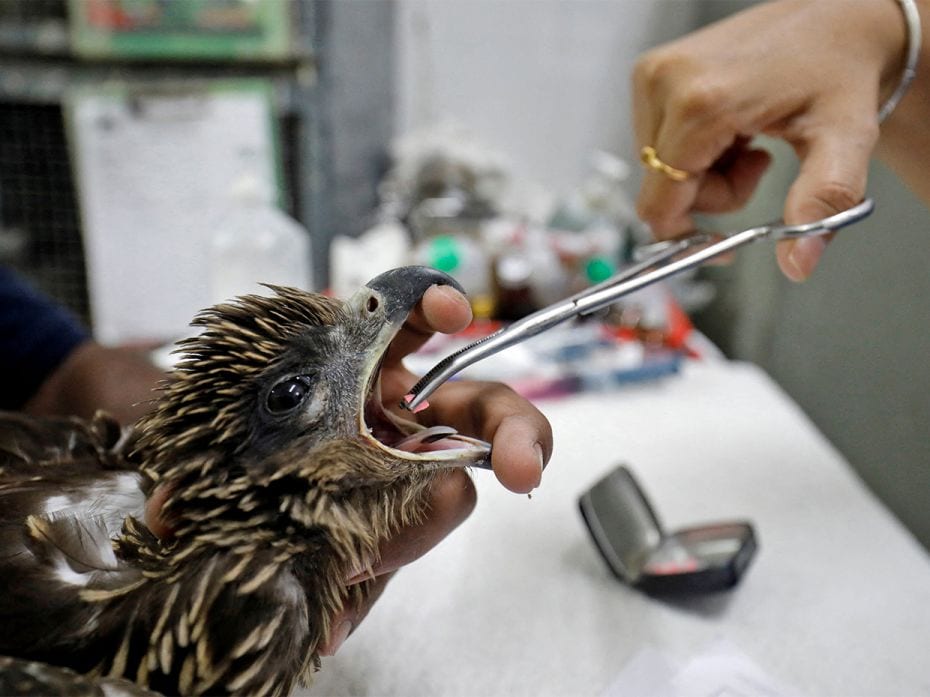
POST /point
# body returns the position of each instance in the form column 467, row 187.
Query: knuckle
column 700, row 100
column 497, row 402
column 453, row 497
column 489, row 399
column 689, row 90
column 496, row 391
column 655, row 69
column 644, row 71
column 837, row 195
column 650, row 210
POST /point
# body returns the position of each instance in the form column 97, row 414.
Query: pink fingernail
column 359, row 574
column 805, row 254
column 542, row 462
column 420, row 407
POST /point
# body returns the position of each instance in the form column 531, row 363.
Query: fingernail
column 336, row 639
column 804, row 255
column 542, row 462
column 156, row 517
column 360, row 576
column 452, row 295
column 360, row 573
column 448, row 291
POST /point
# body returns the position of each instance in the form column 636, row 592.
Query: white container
column 254, row 242
column 465, row 260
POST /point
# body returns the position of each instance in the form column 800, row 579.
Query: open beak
column 396, row 293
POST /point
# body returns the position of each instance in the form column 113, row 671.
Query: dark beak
column 401, row 289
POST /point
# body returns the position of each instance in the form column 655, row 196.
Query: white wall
column 544, row 81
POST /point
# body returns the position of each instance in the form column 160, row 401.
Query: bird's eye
column 288, row 394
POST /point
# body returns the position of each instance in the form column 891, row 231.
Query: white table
column 517, row 600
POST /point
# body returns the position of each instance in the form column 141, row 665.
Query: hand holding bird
column 520, row 435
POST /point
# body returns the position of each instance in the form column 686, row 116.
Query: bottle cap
column 444, row 254
column 513, row 271
column 599, row 269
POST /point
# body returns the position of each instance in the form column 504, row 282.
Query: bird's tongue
column 432, row 438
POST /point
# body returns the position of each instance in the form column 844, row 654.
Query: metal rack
column 332, row 139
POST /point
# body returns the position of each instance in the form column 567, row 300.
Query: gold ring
column 650, row 159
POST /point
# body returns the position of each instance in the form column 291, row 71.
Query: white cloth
column 517, row 600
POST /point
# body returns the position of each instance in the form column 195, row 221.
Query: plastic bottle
column 255, row 242
column 465, row 260
column 512, row 275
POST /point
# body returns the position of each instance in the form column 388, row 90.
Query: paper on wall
column 153, row 169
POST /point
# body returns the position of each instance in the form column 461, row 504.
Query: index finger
column 520, row 435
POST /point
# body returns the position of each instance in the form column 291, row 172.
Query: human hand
column 520, row 436
column 120, row 380
column 810, row 72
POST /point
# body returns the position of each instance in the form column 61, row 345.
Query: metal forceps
column 659, row 263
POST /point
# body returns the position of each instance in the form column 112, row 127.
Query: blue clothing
column 36, row 335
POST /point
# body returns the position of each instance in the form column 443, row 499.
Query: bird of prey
column 284, row 472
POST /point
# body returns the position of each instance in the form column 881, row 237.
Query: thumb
column 832, row 178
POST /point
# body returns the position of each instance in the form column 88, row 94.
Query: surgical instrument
column 659, row 263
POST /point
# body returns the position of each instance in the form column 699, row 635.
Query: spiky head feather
column 204, row 407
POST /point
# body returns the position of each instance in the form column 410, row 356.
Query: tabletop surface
column 518, row 601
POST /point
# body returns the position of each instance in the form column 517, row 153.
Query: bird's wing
column 28, row 443
column 63, row 498
column 32, row 679
column 65, row 489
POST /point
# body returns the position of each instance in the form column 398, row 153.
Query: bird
column 284, row 471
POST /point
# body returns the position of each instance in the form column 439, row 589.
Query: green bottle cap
column 444, row 253
column 599, row 269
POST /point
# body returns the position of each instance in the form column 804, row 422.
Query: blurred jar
column 254, row 242
column 465, row 260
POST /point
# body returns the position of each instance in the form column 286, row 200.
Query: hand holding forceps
column 659, row 263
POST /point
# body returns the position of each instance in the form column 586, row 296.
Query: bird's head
column 273, row 420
